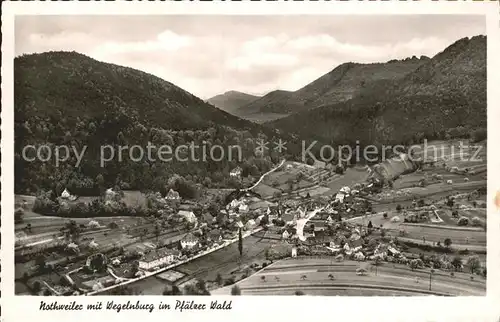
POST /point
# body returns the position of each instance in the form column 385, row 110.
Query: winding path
column 265, row 174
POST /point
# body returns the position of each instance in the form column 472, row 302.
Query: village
column 416, row 219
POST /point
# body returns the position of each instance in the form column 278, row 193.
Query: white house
column 294, row 252
column 188, row 215
column 214, row 236
column 189, row 241
column 250, row 224
column 239, row 224
column 395, row 219
column 234, row 204
column 285, row 235
column 110, row 194
column 236, row 172
column 93, row 245
column 93, row 224
column 65, row 194
column 243, row 208
column 345, row 190
column 73, row 247
column 449, row 181
column 340, row 197
column 359, row 256
column 173, row 195
column 157, row 258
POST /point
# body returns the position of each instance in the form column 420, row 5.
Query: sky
column 209, row 55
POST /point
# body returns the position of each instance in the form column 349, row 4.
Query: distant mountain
column 275, row 101
column 231, row 101
column 69, row 99
column 444, row 96
column 339, row 85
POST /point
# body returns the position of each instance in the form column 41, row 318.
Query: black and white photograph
column 313, row 155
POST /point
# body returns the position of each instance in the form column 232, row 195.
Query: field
column 471, row 238
column 311, row 276
column 330, row 185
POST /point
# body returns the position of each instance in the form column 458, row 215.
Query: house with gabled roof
column 173, row 195
column 189, row 216
column 189, row 241
column 214, row 236
column 250, row 224
column 236, row 172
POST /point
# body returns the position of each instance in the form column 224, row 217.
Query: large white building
column 157, row 258
column 188, row 215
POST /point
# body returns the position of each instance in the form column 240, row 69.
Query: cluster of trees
column 99, row 207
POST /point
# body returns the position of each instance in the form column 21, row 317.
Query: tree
column 385, row 215
column 40, row 263
column 303, row 277
column 476, row 221
column 399, row 208
column 98, row 262
column 290, row 184
column 463, row 221
column 474, row 263
column 71, row 230
column 235, row 290
column 450, row 203
column 299, row 293
column 447, row 242
column 331, row 277
column 37, row 286
column 413, row 264
column 199, row 288
column 430, row 278
column 157, row 231
column 457, row 263
column 112, row 225
column 219, row 279
column 370, row 225
column 18, row 215
column 240, row 243
column 167, row 290
column 99, row 180
column 263, row 278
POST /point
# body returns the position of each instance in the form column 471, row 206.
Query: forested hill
column 66, row 98
column 444, row 97
column 70, row 85
column 232, row 100
column 342, row 83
